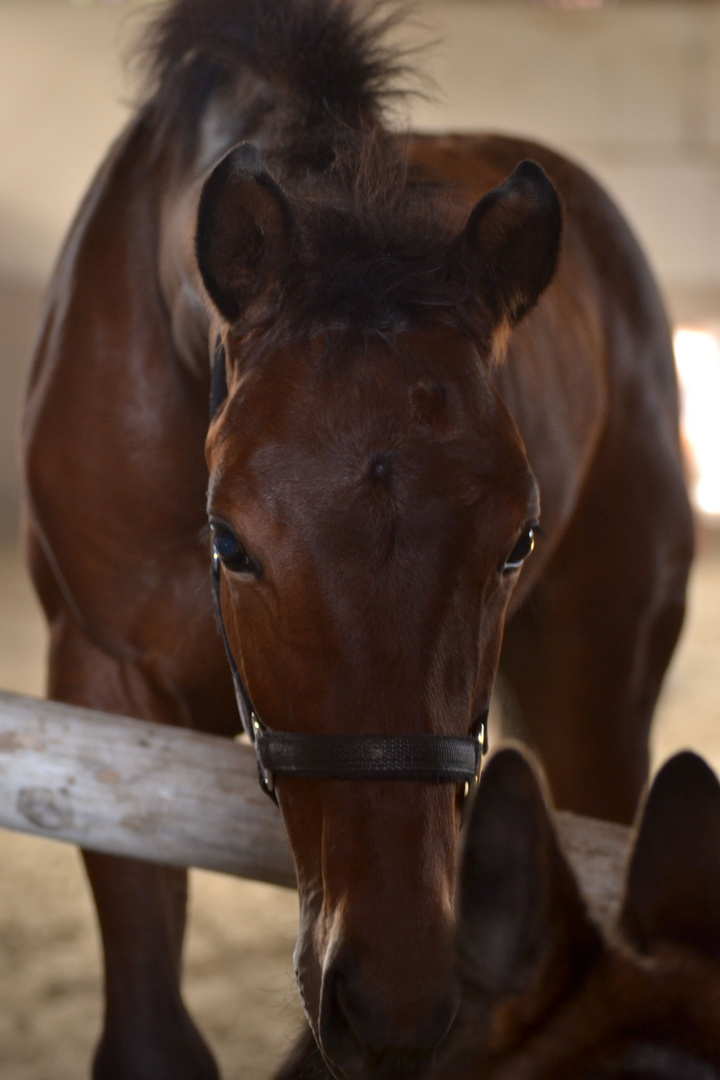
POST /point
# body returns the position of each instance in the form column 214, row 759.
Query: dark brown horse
column 549, row 994
column 383, row 427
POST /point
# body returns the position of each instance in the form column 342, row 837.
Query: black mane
column 327, row 58
column 375, row 235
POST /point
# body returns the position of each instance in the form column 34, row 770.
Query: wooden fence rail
column 128, row 787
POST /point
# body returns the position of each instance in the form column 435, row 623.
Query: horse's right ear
column 510, row 245
column 244, row 225
column 673, row 890
column 523, row 928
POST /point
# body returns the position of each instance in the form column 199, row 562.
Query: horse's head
column 545, row 995
column 372, row 507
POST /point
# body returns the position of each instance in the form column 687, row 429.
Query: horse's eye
column 520, row 552
column 230, row 551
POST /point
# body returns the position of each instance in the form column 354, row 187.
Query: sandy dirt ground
column 238, row 978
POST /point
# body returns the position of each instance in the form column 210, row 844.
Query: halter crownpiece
column 434, row 759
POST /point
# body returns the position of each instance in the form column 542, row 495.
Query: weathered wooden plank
column 138, row 789
column 128, row 787
column 599, row 852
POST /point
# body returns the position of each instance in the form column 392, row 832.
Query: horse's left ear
column 509, row 247
column 244, row 227
column 673, row 890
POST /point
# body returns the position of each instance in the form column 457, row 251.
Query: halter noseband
column 435, row 759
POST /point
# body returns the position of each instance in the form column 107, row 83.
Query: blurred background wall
column 629, row 87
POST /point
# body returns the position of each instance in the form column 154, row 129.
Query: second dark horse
column 412, row 352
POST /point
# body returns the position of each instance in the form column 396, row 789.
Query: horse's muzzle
column 364, row 1039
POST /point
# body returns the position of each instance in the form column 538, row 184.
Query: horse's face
column 373, row 506
column 383, row 519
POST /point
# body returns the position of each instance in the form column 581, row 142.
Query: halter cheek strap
column 435, row 759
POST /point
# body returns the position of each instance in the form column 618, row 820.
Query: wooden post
column 144, row 790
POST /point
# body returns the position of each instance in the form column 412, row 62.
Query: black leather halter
column 435, row 759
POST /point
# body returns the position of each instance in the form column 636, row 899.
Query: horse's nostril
column 355, row 1013
column 337, row 1033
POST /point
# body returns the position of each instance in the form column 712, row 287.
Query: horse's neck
column 234, row 117
column 177, row 271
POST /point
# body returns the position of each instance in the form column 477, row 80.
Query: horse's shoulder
column 106, row 370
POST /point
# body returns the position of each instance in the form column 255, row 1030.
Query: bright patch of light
column 697, row 355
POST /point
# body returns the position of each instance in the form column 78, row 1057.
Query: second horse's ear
column 673, row 891
column 244, row 230
column 509, row 247
column 523, row 928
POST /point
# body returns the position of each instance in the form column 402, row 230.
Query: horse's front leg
column 148, row 1034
